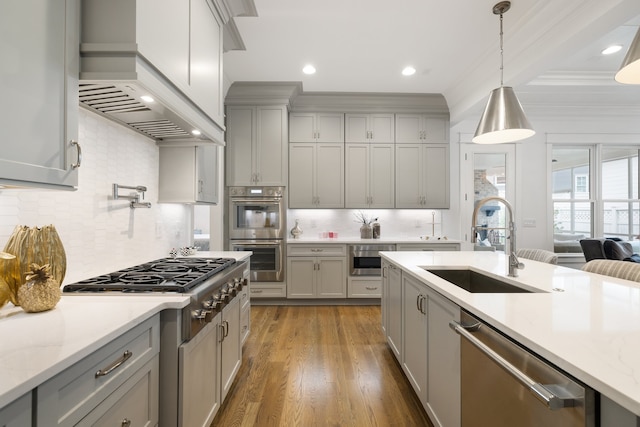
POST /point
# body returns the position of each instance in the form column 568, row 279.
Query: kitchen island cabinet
column 39, row 89
column 188, row 174
column 369, row 176
column 588, row 299
column 17, row 413
column 316, row 127
column 422, row 176
column 316, row 175
column 256, row 145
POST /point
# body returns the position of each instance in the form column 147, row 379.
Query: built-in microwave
column 256, row 213
column 364, row 260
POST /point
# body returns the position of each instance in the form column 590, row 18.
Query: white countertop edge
column 382, row 240
column 611, row 378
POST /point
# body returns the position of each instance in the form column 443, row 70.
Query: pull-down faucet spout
column 514, row 263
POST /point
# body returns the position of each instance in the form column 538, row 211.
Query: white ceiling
column 551, row 49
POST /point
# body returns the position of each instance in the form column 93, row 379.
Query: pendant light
column 503, row 119
column 629, row 72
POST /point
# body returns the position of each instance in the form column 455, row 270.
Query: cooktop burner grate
column 162, row 275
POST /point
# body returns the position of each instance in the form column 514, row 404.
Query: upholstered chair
column 538, row 255
column 614, row 268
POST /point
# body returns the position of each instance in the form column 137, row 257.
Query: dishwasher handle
column 540, row 391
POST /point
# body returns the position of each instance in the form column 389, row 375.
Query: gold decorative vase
column 39, row 245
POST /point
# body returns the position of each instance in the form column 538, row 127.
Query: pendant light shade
column 629, row 72
column 503, row 119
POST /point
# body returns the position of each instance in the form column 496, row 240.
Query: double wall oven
column 256, row 222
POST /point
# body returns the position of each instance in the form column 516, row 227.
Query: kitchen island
column 38, row 346
column 586, row 324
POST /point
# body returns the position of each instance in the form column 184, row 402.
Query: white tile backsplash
column 100, row 234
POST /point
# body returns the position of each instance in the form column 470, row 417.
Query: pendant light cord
column 501, row 55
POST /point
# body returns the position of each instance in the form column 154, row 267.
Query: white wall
column 100, row 234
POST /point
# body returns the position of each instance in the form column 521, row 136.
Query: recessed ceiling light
column 408, row 71
column 612, row 49
column 196, row 132
column 309, row 69
column 146, row 98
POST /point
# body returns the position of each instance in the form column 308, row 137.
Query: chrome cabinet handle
column 78, row 162
column 221, row 330
column 106, row 371
column 371, row 288
column 552, row 401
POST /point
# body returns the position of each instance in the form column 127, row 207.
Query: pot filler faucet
column 514, row 263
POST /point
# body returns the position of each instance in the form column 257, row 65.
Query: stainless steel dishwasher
column 504, row 384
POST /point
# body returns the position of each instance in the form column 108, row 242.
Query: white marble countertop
column 586, row 324
column 37, row 346
column 357, row 240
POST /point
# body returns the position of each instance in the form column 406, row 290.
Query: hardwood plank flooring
column 319, row 366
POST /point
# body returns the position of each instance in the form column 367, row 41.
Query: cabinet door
column 205, row 58
column 302, row 127
column 17, row 413
column 240, row 138
column 408, row 128
column 39, row 86
column 381, row 176
column 394, row 315
column 302, row 159
column 381, row 127
column 435, row 176
column 207, row 174
column 436, row 130
column 443, row 387
column 231, row 349
column 356, row 127
column 329, row 175
column 357, row 175
column 408, row 173
column 414, row 327
column 331, row 278
column 271, row 146
column 330, row 127
column 301, row 272
column 199, row 377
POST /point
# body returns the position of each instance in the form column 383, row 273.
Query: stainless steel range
column 200, row 347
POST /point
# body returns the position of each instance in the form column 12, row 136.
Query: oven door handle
column 542, row 393
column 274, row 200
column 257, row 243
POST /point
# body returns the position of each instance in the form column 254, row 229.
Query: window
column 594, row 193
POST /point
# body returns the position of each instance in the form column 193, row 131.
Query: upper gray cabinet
column 421, row 128
column 188, row 174
column 369, row 128
column 169, row 48
column 316, row 127
column 39, row 87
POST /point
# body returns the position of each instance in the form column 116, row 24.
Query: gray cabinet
column 39, row 86
column 392, row 306
column 316, row 175
column 369, row 176
column 316, row 271
column 17, row 413
column 80, row 395
column 422, row 176
column 369, row 128
column 428, row 247
column 256, row 150
column 421, row 128
column 189, row 174
column 316, row 127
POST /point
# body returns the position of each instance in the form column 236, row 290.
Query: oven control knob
column 230, row 290
column 238, row 283
column 212, row 304
column 203, row 315
column 223, row 297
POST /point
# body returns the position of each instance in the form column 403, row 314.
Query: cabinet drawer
column 367, row 288
column 268, row 291
column 69, row 396
column 135, row 401
column 428, row 247
column 316, row 250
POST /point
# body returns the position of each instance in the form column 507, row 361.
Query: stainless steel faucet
column 514, row 263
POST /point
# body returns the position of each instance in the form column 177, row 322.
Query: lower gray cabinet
column 17, row 413
column 92, row 393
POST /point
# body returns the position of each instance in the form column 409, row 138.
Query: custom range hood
column 157, row 70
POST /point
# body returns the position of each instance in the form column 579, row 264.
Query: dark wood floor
column 319, row 366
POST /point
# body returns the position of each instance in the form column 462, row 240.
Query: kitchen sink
column 474, row 282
